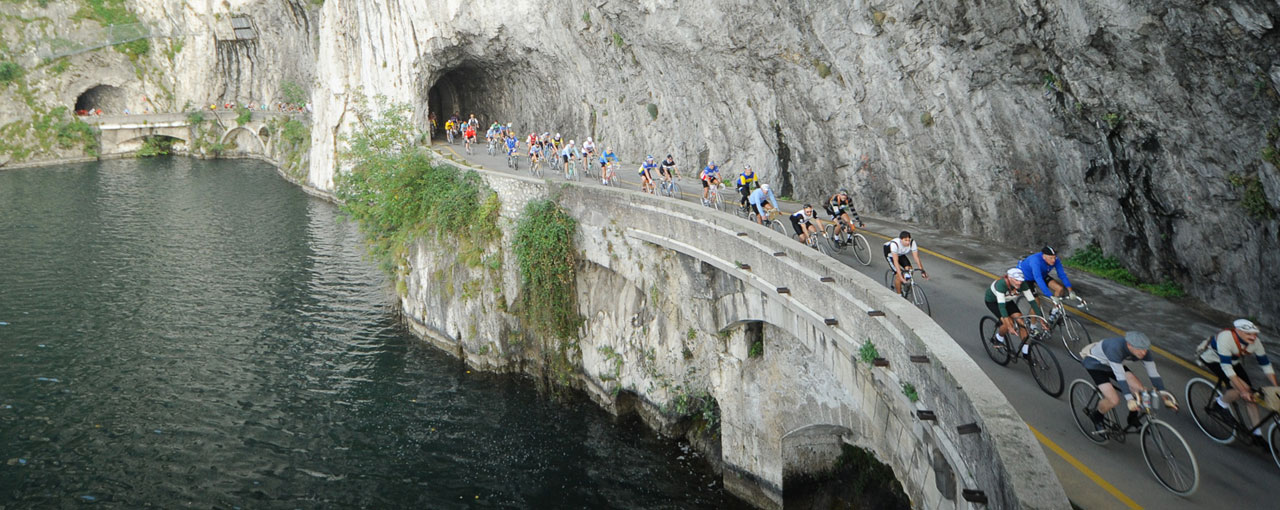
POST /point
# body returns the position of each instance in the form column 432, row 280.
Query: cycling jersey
column 1110, row 354
column 801, row 217
column 1037, row 269
column 758, row 198
column 569, row 152
column 1224, row 350
column 511, row 145
column 647, row 169
column 589, row 147
column 448, row 125
column 709, row 173
column 607, row 157
column 1004, row 297
column 667, row 166
column 745, row 179
column 471, row 132
column 895, row 247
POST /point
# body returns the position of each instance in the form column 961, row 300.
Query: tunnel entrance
column 105, row 97
column 498, row 91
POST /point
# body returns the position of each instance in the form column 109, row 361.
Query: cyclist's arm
column 1039, row 277
column 1002, row 300
column 915, row 253
column 1152, row 373
column 1062, row 273
column 1031, row 298
column 1260, row 353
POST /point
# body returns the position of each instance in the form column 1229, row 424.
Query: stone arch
column 233, row 132
column 110, row 99
column 176, row 143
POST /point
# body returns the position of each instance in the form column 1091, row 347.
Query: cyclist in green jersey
column 1002, row 300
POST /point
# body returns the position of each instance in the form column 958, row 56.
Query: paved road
column 1095, row 477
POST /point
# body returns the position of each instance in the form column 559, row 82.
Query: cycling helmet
column 557, row 135
column 711, row 163
column 648, row 158
column 668, row 156
column 570, row 142
column 765, row 187
column 844, row 191
column 588, row 138
column 1137, row 339
column 1245, row 326
column 746, row 167
column 1016, row 274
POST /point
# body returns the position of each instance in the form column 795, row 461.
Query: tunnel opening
column 501, row 91
column 107, row 98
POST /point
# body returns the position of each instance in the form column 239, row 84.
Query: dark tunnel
column 110, row 99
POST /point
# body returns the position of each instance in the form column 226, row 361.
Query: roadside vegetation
column 1092, row 260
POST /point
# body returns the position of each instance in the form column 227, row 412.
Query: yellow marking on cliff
column 1111, row 489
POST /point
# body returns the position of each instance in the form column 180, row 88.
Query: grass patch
column 617, row 40
column 909, row 390
column 154, row 146
column 1253, row 197
column 292, row 93
column 10, row 71
column 544, row 251
column 1092, row 260
column 243, row 115
column 757, row 349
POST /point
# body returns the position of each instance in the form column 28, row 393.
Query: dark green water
column 185, row 333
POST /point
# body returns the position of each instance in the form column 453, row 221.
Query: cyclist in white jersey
column 896, row 251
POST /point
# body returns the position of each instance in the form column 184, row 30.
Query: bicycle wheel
column 830, row 230
column 1085, row 397
column 916, row 295
column 822, row 243
column 515, row 163
column 1074, row 336
column 1273, row 441
column 778, row 227
column 997, row 351
column 861, row 249
column 1199, row 395
column 674, row 189
column 715, row 201
column 1169, row 458
column 888, row 278
column 1046, row 370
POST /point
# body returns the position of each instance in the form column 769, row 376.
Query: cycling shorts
column 995, row 308
column 1104, row 375
column 565, row 157
column 796, row 225
column 902, row 259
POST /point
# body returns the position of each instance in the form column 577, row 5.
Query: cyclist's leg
column 705, row 187
column 1110, row 395
column 760, row 215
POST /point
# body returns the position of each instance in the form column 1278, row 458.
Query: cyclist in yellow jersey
column 743, row 183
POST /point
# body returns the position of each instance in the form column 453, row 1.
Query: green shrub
column 868, row 352
column 195, row 118
column 292, row 93
column 9, row 71
column 757, row 348
column 926, row 119
column 1092, row 259
column 544, row 251
column 295, row 132
column 243, row 115
column 155, row 146
column 909, row 390
column 617, row 40
column 1253, row 198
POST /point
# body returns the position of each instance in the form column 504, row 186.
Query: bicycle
column 492, row 146
column 1072, row 333
column 1044, row 365
column 823, row 245
column 713, row 198
column 911, row 291
column 671, row 187
column 1225, row 429
column 571, row 170
column 1165, row 451
column 555, row 161
column 449, row 133
column 770, row 221
column 535, row 166
column 608, row 175
column 861, row 250
column 513, row 161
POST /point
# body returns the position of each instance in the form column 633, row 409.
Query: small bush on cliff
column 243, row 115
column 1091, row 259
column 397, row 195
column 10, row 71
column 544, row 250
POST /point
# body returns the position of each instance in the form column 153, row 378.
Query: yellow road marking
column 1106, row 486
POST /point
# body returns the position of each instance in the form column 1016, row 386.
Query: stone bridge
column 677, row 300
column 120, row 134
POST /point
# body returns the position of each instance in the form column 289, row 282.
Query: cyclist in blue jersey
column 710, row 177
column 762, row 199
column 607, row 160
column 1037, row 267
column 512, row 142
column 646, row 174
column 569, row 153
column 492, row 133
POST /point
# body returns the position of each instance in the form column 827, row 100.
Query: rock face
column 1140, row 127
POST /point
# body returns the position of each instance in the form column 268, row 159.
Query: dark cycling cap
column 1048, row 251
column 1137, row 339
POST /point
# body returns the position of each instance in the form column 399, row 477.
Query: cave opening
column 497, row 91
column 108, row 98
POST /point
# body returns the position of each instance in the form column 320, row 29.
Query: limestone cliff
column 1139, row 126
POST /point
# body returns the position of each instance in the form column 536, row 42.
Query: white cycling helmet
column 588, row 138
column 570, row 142
column 1016, row 274
column 765, row 187
column 1245, row 326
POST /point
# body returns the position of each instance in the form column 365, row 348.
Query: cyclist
column 450, row 128
column 535, row 155
column 646, row 174
column 607, row 160
column 569, row 153
column 492, row 134
column 805, row 222
column 512, row 144
column 1037, row 265
column 667, row 169
column 473, row 121
column 895, row 251
column 762, row 199
column 469, row 136
column 507, row 131
column 557, row 142
column 1105, row 362
column 839, row 206
column 743, row 184
column 532, row 139
column 710, row 176
column 1002, row 299
column 1223, row 354
column 588, row 149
